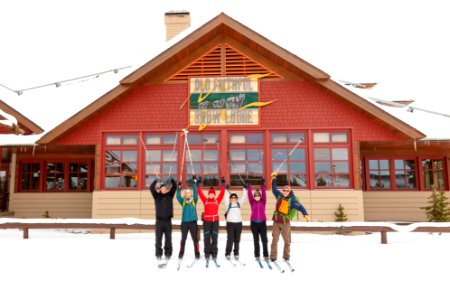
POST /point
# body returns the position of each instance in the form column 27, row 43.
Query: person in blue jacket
column 189, row 217
column 285, row 202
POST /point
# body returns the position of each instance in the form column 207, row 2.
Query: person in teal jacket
column 189, row 217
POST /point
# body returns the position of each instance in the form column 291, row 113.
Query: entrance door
column 4, row 195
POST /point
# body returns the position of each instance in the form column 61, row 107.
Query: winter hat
column 233, row 195
column 162, row 184
column 212, row 191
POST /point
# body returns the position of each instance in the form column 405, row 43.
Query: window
column 202, row 158
column 61, row 175
column 78, row 176
column 121, row 161
column 405, row 173
column 161, row 157
column 331, row 159
column 433, row 173
column 289, row 158
column 30, row 177
column 246, row 159
column 379, row 174
column 54, row 177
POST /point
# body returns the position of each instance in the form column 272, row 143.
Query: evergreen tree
column 340, row 215
column 438, row 210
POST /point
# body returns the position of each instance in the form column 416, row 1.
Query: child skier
column 189, row 217
column 258, row 219
column 163, row 197
column 233, row 217
column 281, row 223
column 211, row 218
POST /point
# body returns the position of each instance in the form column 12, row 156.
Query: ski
column 239, row 262
column 193, row 263
column 278, row 266
column 260, row 263
column 268, row 264
column 216, row 263
column 179, row 264
column 207, row 262
column 163, row 263
column 231, row 262
column 289, row 265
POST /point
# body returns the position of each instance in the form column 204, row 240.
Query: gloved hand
column 246, row 184
column 222, row 181
column 306, row 218
column 227, row 187
column 157, row 179
column 273, row 175
column 263, row 181
column 194, row 178
column 179, row 185
column 199, row 181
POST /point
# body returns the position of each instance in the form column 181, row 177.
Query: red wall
column 299, row 105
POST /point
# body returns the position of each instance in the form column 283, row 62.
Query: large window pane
column 321, row 137
column 237, row 154
column 339, row 154
column 279, row 154
column 279, row 138
column 322, row 154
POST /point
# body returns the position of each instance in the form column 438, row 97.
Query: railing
column 137, row 224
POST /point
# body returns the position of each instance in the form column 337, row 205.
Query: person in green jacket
column 189, row 217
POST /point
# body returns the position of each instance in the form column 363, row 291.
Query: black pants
column 210, row 236
column 234, row 231
column 163, row 227
column 259, row 229
column 187, row 227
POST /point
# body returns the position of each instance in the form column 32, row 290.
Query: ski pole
column 189, row 150
column 182, row 159
column 289, row 155
column 173, row 151
column 232, row 163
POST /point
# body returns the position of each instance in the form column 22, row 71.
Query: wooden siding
column 321, row 205
column 396, row 206
column 59, row 205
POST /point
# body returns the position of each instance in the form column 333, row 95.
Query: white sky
column 402, row 45
column 54, row 265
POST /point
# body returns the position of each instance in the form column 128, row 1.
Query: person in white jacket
column 233, row 217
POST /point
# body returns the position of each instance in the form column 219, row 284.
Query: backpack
column 285, row 210
column 229, row 207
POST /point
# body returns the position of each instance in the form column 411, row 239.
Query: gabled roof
column 24, row 123
column 223, row 29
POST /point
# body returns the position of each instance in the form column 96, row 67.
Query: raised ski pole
column 289, row 155
column 173, row 151
column 143, row 144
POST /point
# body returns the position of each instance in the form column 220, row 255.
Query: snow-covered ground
column 59, row 264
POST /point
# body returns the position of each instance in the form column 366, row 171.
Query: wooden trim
column 21, row 118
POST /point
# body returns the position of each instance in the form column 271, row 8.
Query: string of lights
column 59, row 83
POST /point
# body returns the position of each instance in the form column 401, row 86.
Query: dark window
column 433, row 173
column 379, row 174
column 30, row 177
column 54, row 177
column 405, row 173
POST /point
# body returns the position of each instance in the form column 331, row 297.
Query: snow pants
column 163, row 227
column 210, row 238
column 234, row 231
column 285, row 230
column 259, row 230
column 189, row 227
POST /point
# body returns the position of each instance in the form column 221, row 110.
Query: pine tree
column 340, row 215
column 438, row 210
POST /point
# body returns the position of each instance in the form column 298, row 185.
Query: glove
column 306, row 218
column 274, row 175
column 222, row 181
column 179, row 185
column 227, row 187
column 199, row 181
column 263, row 181
column 194, row 178
column 157, row 179
column 246, row 184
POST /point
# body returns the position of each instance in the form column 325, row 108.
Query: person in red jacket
column 211, row 219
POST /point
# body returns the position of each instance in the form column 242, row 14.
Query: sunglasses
column 285, row 190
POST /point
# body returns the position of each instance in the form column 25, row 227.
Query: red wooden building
column 250, row 107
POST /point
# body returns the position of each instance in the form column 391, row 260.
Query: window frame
column 289, row 146
column 120, row 147
column 331, row 145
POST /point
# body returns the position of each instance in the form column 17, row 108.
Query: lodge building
column 225, row 101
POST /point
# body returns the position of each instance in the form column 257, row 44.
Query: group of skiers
column 286, row 204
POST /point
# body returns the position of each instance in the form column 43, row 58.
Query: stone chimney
column 176, row 21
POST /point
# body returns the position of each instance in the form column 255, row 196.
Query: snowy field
column 60, row 264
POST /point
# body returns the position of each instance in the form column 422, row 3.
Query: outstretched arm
column 201, row 195
column 179, row 198
column 275, row 191
column 250, row 194
column 174, row 188
column 243, row 197
column 152, row 188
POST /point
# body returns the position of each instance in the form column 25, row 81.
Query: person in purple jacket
column 258, row 218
